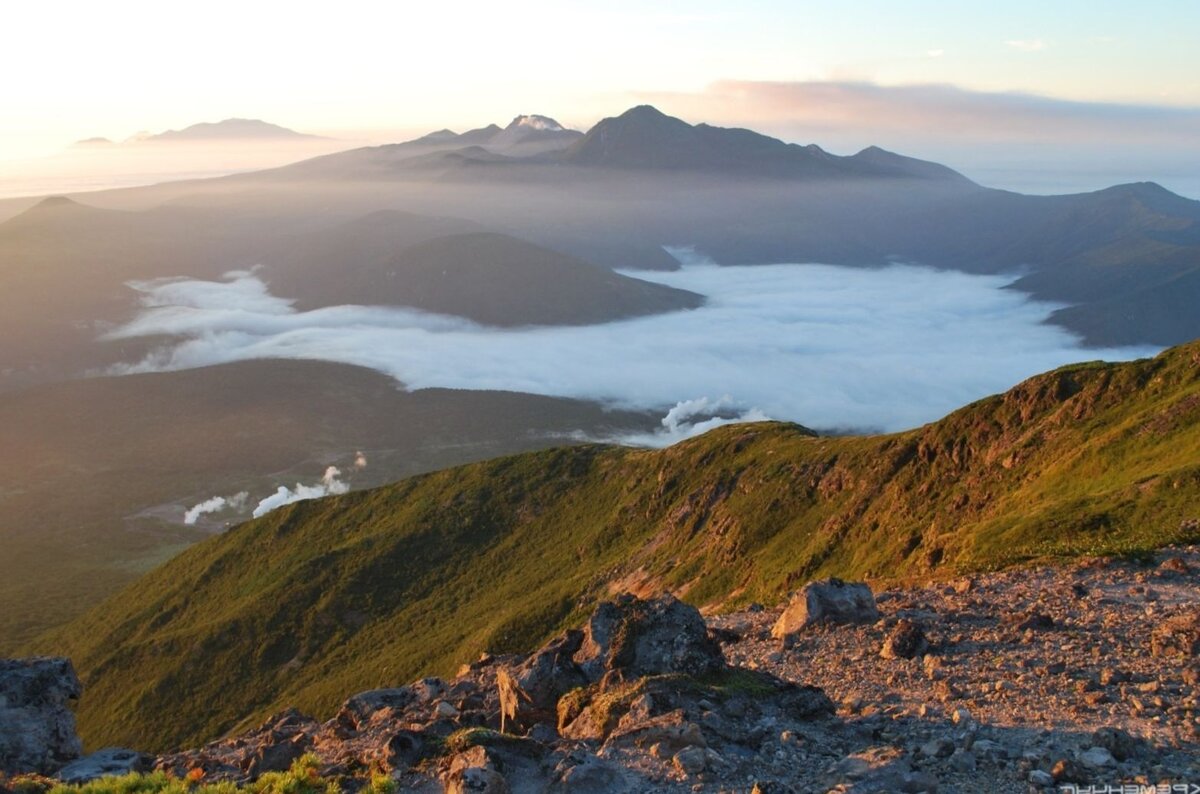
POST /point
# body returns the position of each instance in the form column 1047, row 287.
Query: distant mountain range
column 641, row 139
column 210, row 132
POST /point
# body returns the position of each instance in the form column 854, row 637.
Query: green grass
column 302, row 778
column 325, row 598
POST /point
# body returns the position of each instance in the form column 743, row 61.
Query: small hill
column 369, row 589
column 347, row 262
column 499, row 280
column 486, row 277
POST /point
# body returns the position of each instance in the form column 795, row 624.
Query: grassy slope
column 325, row 598
column 83, row 459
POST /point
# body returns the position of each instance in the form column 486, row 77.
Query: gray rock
column 827, row 601
column 690, row 760
column 963, row 761
column 1041, row 778
column 1033, row 621
column 401, row 750
column 427, row 690
column 937, row 748
column 905, row 641
column 275, row 756
column 473, row 771
column 104, row 763
column 591, row 776
column 1097, row 758
column 648, row 637
column 359, row 708
column 1118, row 742
column 37, row 727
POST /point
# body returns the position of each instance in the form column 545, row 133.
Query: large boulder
column 826, row 601
column 37, row 727
column 648, row 637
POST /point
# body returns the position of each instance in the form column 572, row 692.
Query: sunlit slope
column 325, row 598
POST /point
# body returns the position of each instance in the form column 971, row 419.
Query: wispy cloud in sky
column 999, row 134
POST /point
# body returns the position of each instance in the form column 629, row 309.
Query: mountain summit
column 646, row 138
column 536, row 122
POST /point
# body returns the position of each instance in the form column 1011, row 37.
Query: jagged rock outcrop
column 826, row 601
column 644, row 677
column 653, row 637
column 970, row 710
column 37, row 726
column 529, row 693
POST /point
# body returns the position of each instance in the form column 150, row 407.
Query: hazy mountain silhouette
column 229, row 129
column 646, row 138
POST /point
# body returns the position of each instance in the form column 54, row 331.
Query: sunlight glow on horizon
column 378, row 69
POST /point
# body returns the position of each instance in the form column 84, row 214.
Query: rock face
column 639, row 638
column 529, row 694
column 827, row 601
column 37, row 727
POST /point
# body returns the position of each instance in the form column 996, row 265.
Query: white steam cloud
column 328, row 486
column 215, row 505
column 693, row 417
column 829, row 347
column 360, row 461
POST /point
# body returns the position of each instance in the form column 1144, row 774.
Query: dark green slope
column 324, row 598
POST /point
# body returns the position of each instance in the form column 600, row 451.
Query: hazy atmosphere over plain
column 1005, row 93
column 342, row 343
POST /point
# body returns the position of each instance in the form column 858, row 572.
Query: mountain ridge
column 336, row 595
column 645, row 137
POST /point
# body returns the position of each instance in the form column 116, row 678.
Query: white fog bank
column 829, row 347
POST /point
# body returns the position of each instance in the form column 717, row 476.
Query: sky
column 385, row 70
column 833, row 348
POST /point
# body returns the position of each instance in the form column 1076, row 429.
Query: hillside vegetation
column 321, row 599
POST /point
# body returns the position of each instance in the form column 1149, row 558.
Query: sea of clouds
column 830, row 347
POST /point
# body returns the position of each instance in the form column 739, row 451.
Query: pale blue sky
column 76, row 69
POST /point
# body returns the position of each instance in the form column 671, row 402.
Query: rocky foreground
column 1024, row 680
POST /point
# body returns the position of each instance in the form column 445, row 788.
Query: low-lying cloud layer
column 829, row 347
